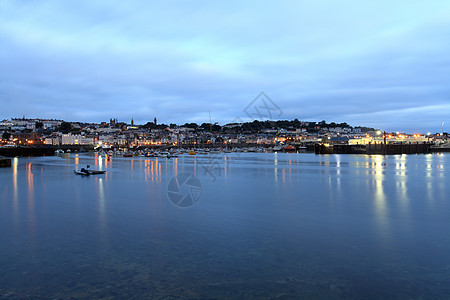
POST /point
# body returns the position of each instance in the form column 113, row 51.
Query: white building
column 55, row 141
column 51, row 124
column 22, row 124
column 5, row 124
column 76, row 139
column 119, row 140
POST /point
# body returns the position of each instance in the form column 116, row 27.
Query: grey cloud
column 343, row 61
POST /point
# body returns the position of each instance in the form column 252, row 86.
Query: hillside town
column 267, row 134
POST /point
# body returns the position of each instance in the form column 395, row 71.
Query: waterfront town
column 115, row 134
column 287, row 136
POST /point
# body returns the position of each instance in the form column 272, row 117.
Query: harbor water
column 226, row 226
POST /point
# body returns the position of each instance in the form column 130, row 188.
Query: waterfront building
column 53, row 140
column 76, row 139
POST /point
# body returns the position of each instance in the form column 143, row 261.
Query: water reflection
column 31, row 212
column 15, row 163
column 102, row 221
column 401, row 183
column 338, row 173
column 375, row 201
column 275, row 169
column 380, row 195
column 225, row 162
column 429, row 163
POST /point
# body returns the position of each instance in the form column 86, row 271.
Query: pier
column 41, row 150
column 380, row 148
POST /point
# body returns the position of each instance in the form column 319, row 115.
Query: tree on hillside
column 150, row 125
column 191, row 125
column 6, row 135
column 65, row 127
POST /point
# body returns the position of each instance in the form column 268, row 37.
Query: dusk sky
column 384, row 64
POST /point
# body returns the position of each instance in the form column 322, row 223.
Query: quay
column 5, row 162
column 41, row 150
column 441, row 148
column 380, row 148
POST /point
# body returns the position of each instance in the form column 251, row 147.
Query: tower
column 154, row 121
column 132, row 122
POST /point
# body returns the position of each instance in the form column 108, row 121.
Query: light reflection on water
column 328, row 226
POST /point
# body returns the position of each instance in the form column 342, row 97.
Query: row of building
column 114, row 134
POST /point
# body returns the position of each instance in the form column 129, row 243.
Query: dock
column 5, row 162
column 380, row 148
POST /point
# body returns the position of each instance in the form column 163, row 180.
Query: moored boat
column 127, row 154
column 95, row 172
column 289, row 148
column 82, row 172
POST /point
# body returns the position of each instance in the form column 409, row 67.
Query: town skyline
column 161, row 125
column 130, row 60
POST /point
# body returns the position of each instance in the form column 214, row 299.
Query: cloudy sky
column 384, row 64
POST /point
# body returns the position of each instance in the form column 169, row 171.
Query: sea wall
column 5, row 162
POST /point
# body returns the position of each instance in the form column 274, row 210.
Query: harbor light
column 378, row 132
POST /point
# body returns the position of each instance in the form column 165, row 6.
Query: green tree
column 65, row 127
column 216, row 127
column 150, row 125
column 191, row 125
column 6, row 135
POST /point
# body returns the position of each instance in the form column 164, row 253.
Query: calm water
column 265, row 226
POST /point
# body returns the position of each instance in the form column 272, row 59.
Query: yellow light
column 378, row 132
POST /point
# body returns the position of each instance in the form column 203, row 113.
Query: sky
column 383, row 64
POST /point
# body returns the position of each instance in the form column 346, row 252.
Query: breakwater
column 5, row 162
column 384, row 149
column 41, row 150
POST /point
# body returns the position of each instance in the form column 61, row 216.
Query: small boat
column 59, row 151
column 289, row 148
column 87, row 172
column 81, row 172
column 95, row 172
column 278, row 148
column 127, row 154
column 192, row 152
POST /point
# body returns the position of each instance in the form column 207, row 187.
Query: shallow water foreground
column 258, row 225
